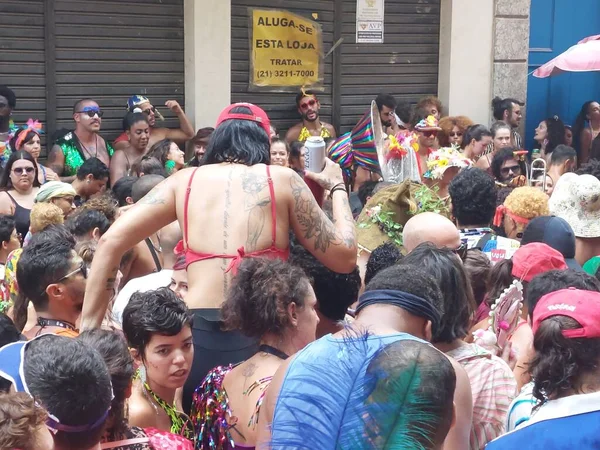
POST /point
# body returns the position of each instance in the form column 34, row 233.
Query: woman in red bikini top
column 233, row 206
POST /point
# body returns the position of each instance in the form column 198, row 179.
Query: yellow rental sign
column 285, row 50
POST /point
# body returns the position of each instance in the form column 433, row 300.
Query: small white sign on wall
column 369, row 21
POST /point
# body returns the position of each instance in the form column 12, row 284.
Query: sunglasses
column 3, row 105
column 455, row 134
column 461, row 251
column 92, row 112
column 82, row 268
column 21, row 170
column 149, row 111
column 430, row 133
column 513, row 169
column 311, row 103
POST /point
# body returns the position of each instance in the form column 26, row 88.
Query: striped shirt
column 493, row 386
column 521, row 408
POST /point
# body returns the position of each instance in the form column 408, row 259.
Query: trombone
column 534, row 170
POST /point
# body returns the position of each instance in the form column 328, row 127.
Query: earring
column 142, row 374
column 88, row 181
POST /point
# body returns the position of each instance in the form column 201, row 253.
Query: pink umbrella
column 579, row 58
column 590, row 38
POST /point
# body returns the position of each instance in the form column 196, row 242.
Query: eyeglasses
column 92, row 112
column 455, row 134
column 429, row 133
column 3, row 105
column 82, row 268
column 461, row 251
column 311, row 103
column 21, row 170
column 149, row 111
column 507, row 170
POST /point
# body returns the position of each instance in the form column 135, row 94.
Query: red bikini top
column 192, row 256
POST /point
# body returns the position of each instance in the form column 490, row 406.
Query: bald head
column 430, row 227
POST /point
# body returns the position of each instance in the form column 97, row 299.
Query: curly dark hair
column 590, row 168
column 154, row 312
column 555, row 280
column 260, row 294
column 335, row 292
column 381, row 258
column 446, row 269
column 560, row 362
column 500, row 157
column 473, row 196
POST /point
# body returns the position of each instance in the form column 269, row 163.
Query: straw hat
column 386, row 213
column 576, row 199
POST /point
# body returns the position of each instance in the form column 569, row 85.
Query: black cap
column 556, row 233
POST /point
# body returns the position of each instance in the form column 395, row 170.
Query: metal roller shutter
column 111, row 49
column 281, row 107
column 22, row 66
column 405, row 65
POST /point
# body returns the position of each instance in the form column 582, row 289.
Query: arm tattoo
column 348, row 237
column 154, row 197
column 313, row 222
column 253, row 185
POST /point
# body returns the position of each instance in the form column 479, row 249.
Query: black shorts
column 213, row 347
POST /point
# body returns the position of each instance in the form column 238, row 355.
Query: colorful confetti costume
column 5, row 150
column 211, row 412
column 305, row 134
column 73, row 152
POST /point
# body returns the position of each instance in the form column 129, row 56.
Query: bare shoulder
column 141, row 413
column 294, row 132
column 330, row 128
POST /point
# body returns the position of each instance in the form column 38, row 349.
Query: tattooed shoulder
column 154, row 197
column 253, row 183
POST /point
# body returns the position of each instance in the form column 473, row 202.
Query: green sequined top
column 74, row 156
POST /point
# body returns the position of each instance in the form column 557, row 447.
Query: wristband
column 337, row 187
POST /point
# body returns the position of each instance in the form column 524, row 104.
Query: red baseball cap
column 258, row 115
column 581, row 306
column 536, row 258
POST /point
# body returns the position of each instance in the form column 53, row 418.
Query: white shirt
column 141, row 284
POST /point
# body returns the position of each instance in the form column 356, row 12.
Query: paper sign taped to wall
column 286, row 51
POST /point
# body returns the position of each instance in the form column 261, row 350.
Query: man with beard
column 53, row 277
column 139, row 103
column 509, row 110
column 308, row 107
column 386, row 104
column 74, row 147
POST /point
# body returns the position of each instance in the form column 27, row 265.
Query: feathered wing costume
column 356, row 401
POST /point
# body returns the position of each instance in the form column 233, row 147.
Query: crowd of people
column 439, row 289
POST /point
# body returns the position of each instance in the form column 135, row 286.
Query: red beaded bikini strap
column 273, row 206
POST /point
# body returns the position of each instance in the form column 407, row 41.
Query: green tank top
column 74, row 156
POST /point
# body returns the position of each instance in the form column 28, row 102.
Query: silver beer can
column 315, row 154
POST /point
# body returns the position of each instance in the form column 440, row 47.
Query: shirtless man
column 139, row 103
column 70, row 151
column 308, row 107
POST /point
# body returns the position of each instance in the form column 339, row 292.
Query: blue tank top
column 314, row 408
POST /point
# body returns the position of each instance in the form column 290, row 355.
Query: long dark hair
column 579, row 125
column 556, row 133
column 160, row 151
column 113, row 348
column 131, row 119
column 238, row 141
column 5, row 183
column 446, row 269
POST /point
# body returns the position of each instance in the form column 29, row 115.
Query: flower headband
column 31, row 125
column 440, row 160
